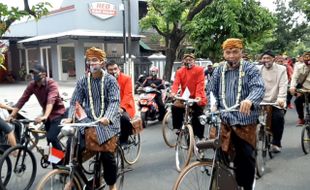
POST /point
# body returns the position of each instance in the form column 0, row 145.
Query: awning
column 144, row 45
column 77, row 33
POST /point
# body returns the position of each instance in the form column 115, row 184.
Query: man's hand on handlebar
column 40, row 119
column 245, row 106
column 66, row 120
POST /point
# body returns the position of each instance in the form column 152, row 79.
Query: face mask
column 188, row 65
column 116, row 74
column 233, row 64
column 94, row 68
column 154, row 74
column 36, row 77
column 268, row 65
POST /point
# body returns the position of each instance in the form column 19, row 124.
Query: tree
column 223, row 19
column 289, row 29
column 170, row 18
column 301, row 6
column 10, row 15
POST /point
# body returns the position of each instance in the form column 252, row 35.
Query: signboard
column 102, row 10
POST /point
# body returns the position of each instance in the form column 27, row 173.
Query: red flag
column 55, row 155
column 79, row 111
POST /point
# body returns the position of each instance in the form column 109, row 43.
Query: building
column 59, row 40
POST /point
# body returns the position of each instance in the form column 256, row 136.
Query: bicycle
column 72, row 176
column 185, row 137
column 209, row 173
column 22, row 159
column 305, row 133
column 169, row 134
column 264, row 139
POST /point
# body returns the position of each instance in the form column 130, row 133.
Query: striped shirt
column 111, row 104
column 252, row 89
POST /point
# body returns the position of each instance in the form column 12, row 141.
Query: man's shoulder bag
column 92, row 142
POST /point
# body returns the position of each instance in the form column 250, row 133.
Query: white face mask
column 116, row 74
column 268, row 65
column 95, row 68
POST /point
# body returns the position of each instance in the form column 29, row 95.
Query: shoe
column 300, row 122
column 290, row 106
column 275, row 149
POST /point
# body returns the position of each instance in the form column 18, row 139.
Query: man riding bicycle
column 127, row 105
column 275, row 80
column 98, row 93
column 190, row 76
column 47, row 93
column 238, row 82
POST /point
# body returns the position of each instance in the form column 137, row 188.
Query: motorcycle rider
column 157, row 83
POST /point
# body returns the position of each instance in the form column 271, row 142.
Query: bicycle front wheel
column 58, row 179
column 132, row 149
column 5, row 177
column 195, row 176
column 184, row 147
column 261, row 151
column 169, row 134
column 23, row 170
column 305, row 139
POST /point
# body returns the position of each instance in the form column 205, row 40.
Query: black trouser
column 178, row 117
column 126, row 127
column 52, row 131
column 109, row 167
column 299, row 101
column 288, row 98
column 277, row 125
column 161, row 107
column 244, row 162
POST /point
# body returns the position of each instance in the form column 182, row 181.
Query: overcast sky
column 56, row 3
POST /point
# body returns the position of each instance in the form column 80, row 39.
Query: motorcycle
column 139, row 82
column 147, row 106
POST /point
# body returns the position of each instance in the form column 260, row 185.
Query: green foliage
column 290, row 30
column 230, row 18
column 301, row 6
column 9, row 15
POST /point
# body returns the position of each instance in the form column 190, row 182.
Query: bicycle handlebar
column 90, row 124
column 187, row 100
column 303, row 91
column 268, row 104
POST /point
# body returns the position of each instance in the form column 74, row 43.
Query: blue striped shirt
column 111, row 104
column 252, row 89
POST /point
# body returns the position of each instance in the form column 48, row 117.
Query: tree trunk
column 170, row 58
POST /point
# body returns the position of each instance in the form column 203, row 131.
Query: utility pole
column 130, row 62
column 124, row 32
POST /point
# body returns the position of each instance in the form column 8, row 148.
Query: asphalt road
column 155, row 169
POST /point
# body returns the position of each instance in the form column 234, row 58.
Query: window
column 67, row 60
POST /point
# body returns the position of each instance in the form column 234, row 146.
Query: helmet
column 154, row 71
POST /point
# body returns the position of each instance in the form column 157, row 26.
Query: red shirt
column 193, row 79
column 47, row 93
column 127, row 100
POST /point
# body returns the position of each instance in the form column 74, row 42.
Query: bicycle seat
column 208, row 144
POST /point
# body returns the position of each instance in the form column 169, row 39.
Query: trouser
column 288, row 98
column 126, row 127
column 52, row 131
column 299, row 101
column 178, row 117
column 244, row 162
column 277, row 125
column 109, row 167
column 161, row 107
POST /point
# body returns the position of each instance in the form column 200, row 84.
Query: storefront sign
column 102, row 10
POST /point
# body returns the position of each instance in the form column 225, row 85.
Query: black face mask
column 37, row 77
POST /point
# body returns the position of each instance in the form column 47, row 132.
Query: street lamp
column 122, row 8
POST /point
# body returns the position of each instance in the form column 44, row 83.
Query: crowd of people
column 106, row 95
